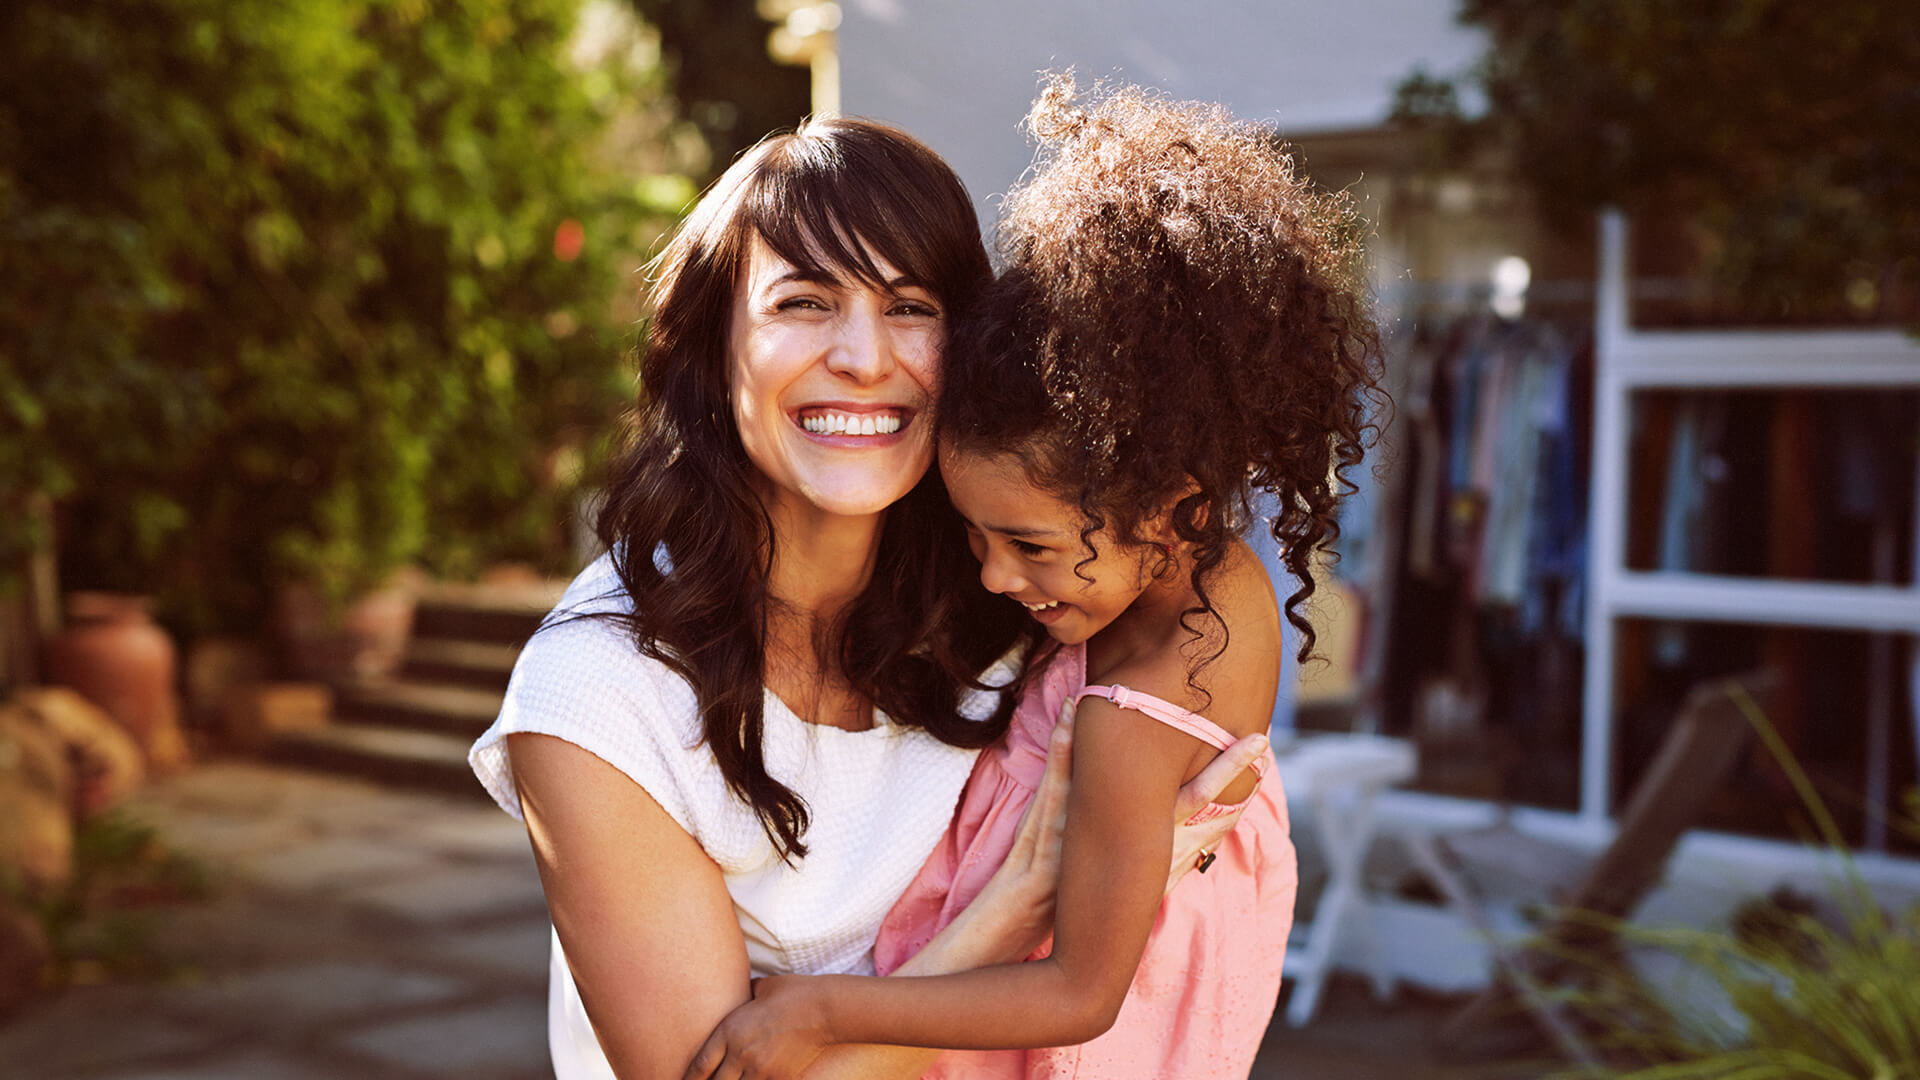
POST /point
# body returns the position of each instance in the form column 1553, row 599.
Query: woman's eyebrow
column 804, row 276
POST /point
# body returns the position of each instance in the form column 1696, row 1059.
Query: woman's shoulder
column 584, row 679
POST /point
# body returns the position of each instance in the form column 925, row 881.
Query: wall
column 960, row 76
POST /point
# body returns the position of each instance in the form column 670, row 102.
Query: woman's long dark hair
column 826, row 198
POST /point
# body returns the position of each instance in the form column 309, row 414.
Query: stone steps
column 417, row 759
column 414, row 730
column 481, row 664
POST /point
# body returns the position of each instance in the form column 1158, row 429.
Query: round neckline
column 881, row 721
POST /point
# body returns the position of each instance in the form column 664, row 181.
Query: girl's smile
column 1031, row 550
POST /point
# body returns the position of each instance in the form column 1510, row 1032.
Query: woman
column 751, row 721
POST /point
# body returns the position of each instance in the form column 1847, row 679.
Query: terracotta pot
column 365, row 642
column 117, row 658
column 25, row 953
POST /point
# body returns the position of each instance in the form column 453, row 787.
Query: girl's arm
column 1127, row 772
column 1003, row 925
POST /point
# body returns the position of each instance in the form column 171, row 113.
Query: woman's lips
column 854, row 427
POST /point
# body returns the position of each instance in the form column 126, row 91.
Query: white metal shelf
column 1628, row 360
column 1836, row 359
column 1666, row 594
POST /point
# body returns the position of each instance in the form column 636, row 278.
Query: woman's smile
column 831, row 378
column 857, row 426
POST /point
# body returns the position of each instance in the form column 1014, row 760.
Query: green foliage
column 96, row 923
column 1783, row 130
column 1806, row 997
column 282, row 292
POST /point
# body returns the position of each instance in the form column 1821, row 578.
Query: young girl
column 1179, row 323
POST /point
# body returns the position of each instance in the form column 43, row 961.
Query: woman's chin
column 853, row 500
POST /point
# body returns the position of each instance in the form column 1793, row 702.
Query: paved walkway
column 357, row 931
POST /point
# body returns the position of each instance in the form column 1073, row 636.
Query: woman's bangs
column 833, row 218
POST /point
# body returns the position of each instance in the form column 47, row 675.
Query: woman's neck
column 821, row 562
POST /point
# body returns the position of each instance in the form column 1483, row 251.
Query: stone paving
column 358, row 931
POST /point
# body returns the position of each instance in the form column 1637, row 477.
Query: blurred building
column 1754, row 494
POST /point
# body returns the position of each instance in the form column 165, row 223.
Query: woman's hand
column 773, row 1037
column 1015, row 908
column 1199, row 826
column 1017, row 904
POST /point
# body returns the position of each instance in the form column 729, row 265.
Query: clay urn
column 117, row 657
column 363, row 641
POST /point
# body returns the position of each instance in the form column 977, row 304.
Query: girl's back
column 1210, row 975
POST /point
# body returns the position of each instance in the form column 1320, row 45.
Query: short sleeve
column 583, row 680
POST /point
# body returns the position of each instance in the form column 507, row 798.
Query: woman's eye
column 916, row 308
column 1029, row 550
column 800, row 303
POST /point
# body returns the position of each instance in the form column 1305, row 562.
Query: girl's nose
column 999, row 575
column 862, row 350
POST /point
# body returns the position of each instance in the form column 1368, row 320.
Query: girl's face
column 1029, row 546
column 831, row 382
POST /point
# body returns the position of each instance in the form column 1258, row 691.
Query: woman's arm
column 1068, row 998
column 642, row 913
column 1014, row 912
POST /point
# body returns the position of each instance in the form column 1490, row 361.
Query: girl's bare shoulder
column 1231, row 672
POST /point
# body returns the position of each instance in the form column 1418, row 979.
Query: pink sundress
column 1210, row 977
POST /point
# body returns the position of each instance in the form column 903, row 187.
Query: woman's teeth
column 1040, row 607
column 849, row 424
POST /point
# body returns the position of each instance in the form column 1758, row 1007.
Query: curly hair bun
column 1196, row 317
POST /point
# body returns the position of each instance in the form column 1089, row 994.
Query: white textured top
column 879, row 799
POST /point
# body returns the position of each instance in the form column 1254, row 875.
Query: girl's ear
column 1162, row 538
column 1159, row 529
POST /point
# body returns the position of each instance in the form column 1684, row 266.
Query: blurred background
column 316, row 326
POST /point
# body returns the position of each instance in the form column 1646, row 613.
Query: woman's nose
column 862, row 350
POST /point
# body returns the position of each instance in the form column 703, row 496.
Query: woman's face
column 832, row 382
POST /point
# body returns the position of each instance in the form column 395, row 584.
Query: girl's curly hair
column 1181, row 320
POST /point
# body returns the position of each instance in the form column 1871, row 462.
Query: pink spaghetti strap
column 1171, row 715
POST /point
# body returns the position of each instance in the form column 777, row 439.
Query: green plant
column 97, row 922
column 308, row 289
column 1800, row 996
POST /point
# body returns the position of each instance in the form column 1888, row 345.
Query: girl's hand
column 1194, row 839
column 773, row 1037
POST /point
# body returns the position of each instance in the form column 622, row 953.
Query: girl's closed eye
column 1030, row 550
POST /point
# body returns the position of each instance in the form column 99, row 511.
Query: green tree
column 1783, row 131
column 312, row 288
